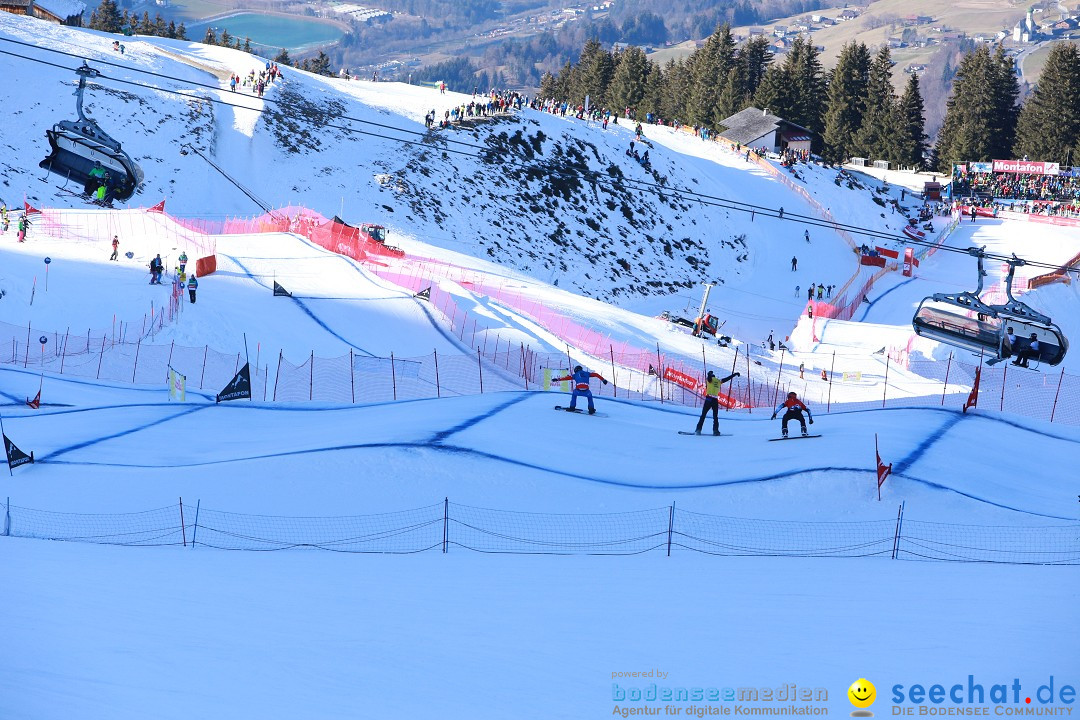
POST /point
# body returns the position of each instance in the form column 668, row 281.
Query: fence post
column 832, row 374
column 1054, row 409
column 277, row 374
column 896, row 534
column 947, row 369
column 352, row 376
column 885, row 389
column 135, row 368
column 524, row 368
column 659, row 374
column 206, row 349
column 311, row 377
column 1004, row 377
column 670, row 525
column 27, row 358
column 100, row 358
column 776, row 392
column 393, row 375
column 445, row 522
column 266, row 372
column 614, row 391
column 7, row 518
column 63, row 352
column 438, row 390
column 749, row 385
column 195, row 529
column 480, row 369
column 183, row 531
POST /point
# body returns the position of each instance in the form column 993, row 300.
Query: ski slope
column 103, row 631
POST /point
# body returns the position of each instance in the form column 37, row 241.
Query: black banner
column 239, row 387
column 279, row 291
column 15, row 456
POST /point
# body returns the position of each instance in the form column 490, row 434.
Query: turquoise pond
column 271, row 31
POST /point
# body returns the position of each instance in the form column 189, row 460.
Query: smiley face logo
column 862, row 693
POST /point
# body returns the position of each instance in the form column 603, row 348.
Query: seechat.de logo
column 862, row 694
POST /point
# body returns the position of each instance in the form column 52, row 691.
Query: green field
column 272, row 32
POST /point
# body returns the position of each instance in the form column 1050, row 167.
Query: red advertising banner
column 680, row 378
column 1025, row 166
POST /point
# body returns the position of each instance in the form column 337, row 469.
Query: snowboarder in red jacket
column 793, row 409
column 581, row 379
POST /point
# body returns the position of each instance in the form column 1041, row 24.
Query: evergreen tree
column 226, row 39
column 803, row 69
column 980, row 115
column 709, row 69
column 146, row 27
column 677, row 84
column 774, row 93
column 170, row 30
column 247, row 45
column 655, row 91
column 547, row 86
column 1006, row 89
column 125, row 20
column 321, row 64
column 181, row 31
column 305, row 65
column 594, row 72
column 161, row 29
column 877, row 134
column 94, row 22
column 846, row 98
column 911, row 126
column 211, row 37
column 1049, row 125
column 733, row 96
column 283, row 58
column 627, row 87
column 106, row 18
column 754, row 57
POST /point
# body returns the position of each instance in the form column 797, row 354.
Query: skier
column 115, row 247
column 797, row 290
column 806, row 234
column 794, row 264
column 156, row 270
column 793, row 410
column 772, row 344
column 182, row 260
column 24, row 224
column 580, row 377
column 4, row 222
column 780, row 216
column 820, row 291
column 712, row 402
column 192, row 286
column 810, row 292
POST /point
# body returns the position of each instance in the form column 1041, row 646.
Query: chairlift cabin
column 965, row 321
column 84, row 153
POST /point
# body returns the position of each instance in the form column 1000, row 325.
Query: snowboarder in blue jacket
column 581, row 379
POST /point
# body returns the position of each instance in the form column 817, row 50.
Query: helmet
column 709, row 375
column 791, row 394
column 577, row 368
column 1034, row 336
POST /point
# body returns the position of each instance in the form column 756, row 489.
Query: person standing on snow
column 712, row 402
column 192, row 286
column 794, row 264
column 115, row 247
column 806, row 234
column 793, row 410
column 580, row 378
column 157, row 268
column 23, row 225
column 182, row 260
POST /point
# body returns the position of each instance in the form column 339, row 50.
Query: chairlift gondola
column 965, row 321
column 84, row 153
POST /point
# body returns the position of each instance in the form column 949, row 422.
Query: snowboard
column 709, row 434
column 578, row 411
column 794, row 437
